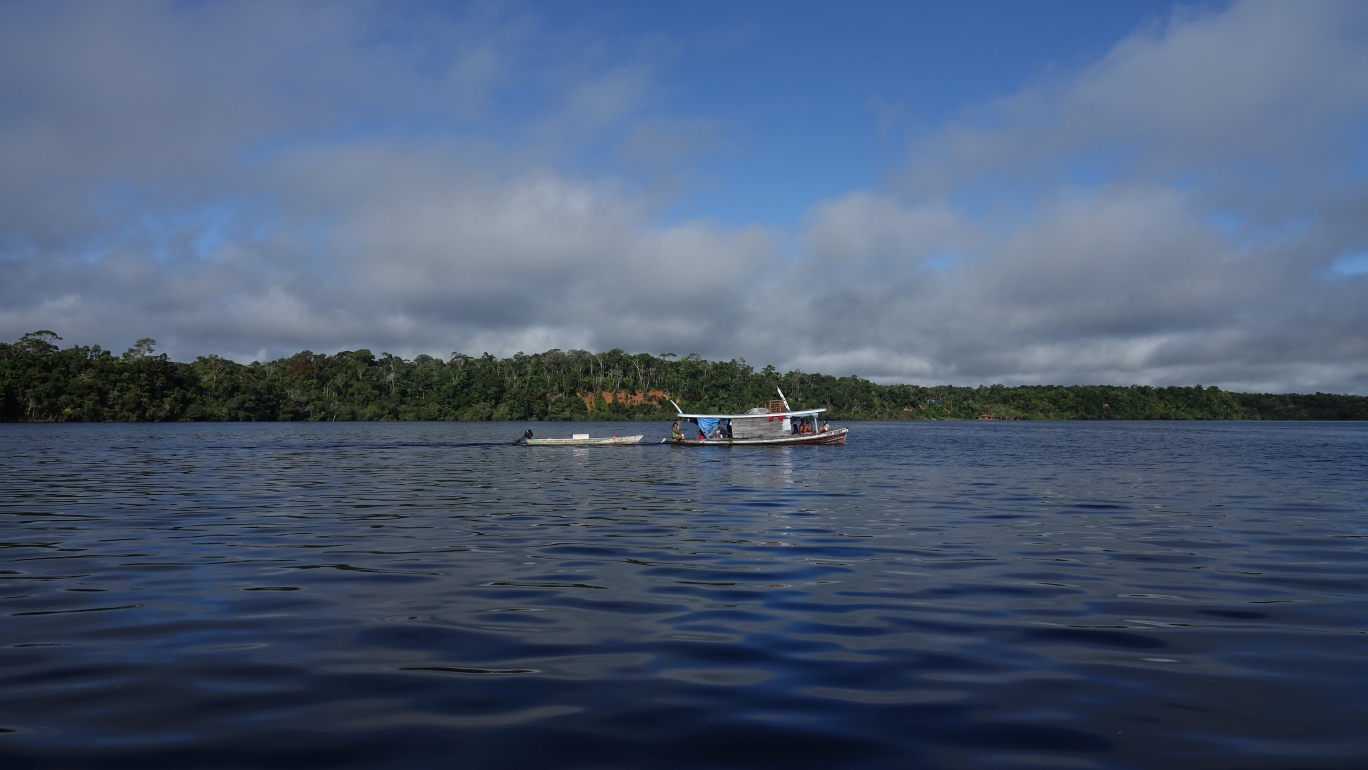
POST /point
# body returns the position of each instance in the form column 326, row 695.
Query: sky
column 1069, row 192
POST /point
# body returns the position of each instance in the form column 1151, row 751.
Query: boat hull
column 837, row 436
column 614, row 441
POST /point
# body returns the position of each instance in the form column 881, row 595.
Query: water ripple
column 939, row 595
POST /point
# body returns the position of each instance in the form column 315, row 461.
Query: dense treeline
column 40, row 382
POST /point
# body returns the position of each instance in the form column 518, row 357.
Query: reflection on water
column 940, row 595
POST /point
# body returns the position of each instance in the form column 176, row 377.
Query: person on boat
column 675, row 435
column 825, row 427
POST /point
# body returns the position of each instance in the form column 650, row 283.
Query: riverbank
column 39, row 382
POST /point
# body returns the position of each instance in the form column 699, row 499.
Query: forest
column 42, row 382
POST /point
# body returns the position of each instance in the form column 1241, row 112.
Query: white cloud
column 1085, row 209
column 255, row 179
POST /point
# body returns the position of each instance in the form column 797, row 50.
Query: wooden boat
column 772, row 425
column 580, row 439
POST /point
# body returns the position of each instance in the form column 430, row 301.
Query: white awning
column 797, row 413
column 790, row 413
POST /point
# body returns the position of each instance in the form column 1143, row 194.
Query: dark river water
column 978, row 595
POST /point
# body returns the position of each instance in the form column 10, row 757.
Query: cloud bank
column 255, row 179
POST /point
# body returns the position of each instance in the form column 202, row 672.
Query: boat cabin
column 773, row 421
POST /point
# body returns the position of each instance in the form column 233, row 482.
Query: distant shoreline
column 40, row 382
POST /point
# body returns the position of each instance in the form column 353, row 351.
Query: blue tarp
column 706, row 424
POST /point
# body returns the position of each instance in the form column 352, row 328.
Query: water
column 992, row 595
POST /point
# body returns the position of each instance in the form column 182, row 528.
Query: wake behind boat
column 581, row 439
column 772, row 425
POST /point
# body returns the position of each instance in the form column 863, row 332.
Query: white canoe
column 585, row 441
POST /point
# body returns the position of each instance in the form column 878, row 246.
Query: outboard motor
column 526, row 435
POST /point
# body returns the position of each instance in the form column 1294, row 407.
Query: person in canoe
column 675, row 435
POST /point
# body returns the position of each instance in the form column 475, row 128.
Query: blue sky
column 1064, row 192
column 814, row 99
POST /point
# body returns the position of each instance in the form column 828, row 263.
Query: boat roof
column 794, row 413
column 789, row 413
